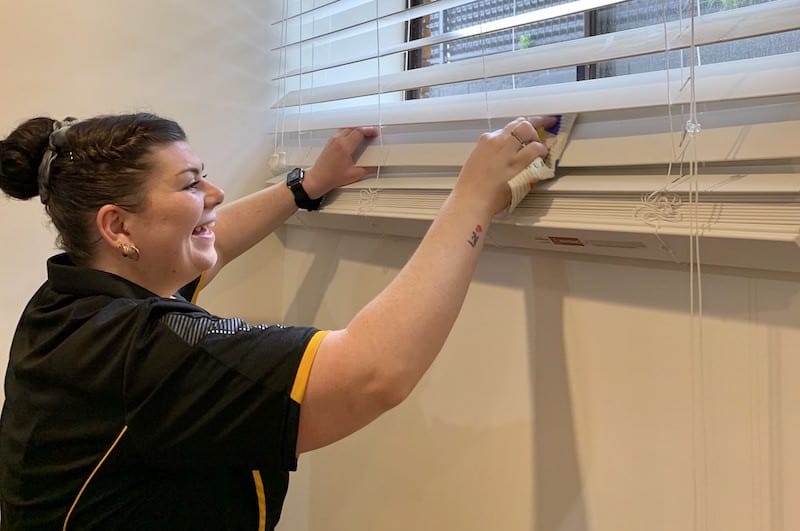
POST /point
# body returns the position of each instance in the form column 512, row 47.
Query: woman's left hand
column 336, row 165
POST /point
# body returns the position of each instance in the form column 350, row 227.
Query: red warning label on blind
column 560, row 240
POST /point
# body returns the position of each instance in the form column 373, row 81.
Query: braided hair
column 76, row 167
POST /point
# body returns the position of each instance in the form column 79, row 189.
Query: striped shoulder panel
column 193, row 328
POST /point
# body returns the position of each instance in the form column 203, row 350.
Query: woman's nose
column 214, row 194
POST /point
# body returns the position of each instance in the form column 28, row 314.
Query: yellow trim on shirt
column 262, row 501
column 304, row 371
column 199, row 287
column 91, row 476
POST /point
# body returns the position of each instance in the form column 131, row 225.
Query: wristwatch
column 294, row 181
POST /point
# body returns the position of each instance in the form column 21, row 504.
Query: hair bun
column 20, row 156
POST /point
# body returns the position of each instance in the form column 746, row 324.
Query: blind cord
column 368, row 198
column 692, row 129
column 277, row 160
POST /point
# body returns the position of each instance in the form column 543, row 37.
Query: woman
column 127, row 406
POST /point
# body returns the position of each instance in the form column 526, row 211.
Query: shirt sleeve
column 201, row 389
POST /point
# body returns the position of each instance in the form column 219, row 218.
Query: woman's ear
column 110, row 220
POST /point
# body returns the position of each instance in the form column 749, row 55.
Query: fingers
column 369, row 131
column 357, row 173
column 364, row 132
column 353, row 137
column 533, row 151
column 513, row 124
column 543, row 121
column 525, row 128
column 522, row 139
column 524, row 132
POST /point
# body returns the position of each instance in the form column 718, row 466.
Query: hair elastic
column 54, row 143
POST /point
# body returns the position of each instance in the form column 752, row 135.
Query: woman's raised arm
column 246, row 221
column 374, row 363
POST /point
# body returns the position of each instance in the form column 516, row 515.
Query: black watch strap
column 294, row 181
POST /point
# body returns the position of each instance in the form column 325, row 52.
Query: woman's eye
column 196, row 183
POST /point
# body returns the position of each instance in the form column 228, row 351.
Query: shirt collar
column 67, row 277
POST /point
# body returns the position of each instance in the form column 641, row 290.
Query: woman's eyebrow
column 193, row 169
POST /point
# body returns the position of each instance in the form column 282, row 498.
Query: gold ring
column 518, row 139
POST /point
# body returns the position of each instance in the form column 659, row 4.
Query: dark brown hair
column 102, row 160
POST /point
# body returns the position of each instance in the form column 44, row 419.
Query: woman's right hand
column 497, row 157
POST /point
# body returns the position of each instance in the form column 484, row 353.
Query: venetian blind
column 659, row 87
column 348, row 62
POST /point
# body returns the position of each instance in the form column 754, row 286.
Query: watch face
column 294, row 177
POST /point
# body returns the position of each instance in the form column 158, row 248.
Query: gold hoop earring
column 129, row 251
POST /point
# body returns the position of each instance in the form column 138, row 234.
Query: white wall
column 568, row 397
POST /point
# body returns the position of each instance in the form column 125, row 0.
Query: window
column 523, row 36
column 604, row 20
column 435, row 74
column 346, row 62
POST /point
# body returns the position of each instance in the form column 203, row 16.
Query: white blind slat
column 754, row 142
column 761, row 77
column 538, row 15
column 782, row 181
column 369, row 15
column 759, row 129
column 760, row 19
column 294, row 9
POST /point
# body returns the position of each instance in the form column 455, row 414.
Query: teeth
column 207, row 226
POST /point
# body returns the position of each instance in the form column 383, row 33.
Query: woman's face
column 174, row 231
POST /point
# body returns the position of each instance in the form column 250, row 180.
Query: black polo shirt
column 126, row 410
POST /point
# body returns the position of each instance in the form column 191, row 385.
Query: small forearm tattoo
column 476, row 235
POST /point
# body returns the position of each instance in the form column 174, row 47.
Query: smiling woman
column 128, row 406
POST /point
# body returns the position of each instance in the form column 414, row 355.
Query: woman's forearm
column 246, row 221
column 407, row 324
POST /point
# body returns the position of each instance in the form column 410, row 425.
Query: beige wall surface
column 573, row 394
